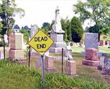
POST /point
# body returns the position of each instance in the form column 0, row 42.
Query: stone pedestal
column 58, row 42
column 49, row 64
column 16, row 54
column 71, row 67
column 90, row 63
column 91, row 57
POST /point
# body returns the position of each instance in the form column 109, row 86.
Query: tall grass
column 14, row 76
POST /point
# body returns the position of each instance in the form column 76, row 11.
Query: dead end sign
column 41, row 42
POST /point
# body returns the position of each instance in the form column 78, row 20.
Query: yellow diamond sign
column 40, row 42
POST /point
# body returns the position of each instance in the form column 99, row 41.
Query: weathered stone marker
column 71, row 67
column 16, row 46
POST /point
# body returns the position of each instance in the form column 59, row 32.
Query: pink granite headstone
column 71, row 67
column 49, row 63
column 91, row 50
column 91, row 57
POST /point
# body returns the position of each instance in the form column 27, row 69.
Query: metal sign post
column 29, row 53
column 41, row 42
column 43, row 66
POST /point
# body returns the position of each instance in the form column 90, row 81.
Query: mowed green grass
column 104, row 49
column 77, row 51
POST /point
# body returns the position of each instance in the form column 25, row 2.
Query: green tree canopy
column 8, row 9
column 76, row 30
column 66, row 27
column 46, row 26
column 96, row 10
column 26, row 33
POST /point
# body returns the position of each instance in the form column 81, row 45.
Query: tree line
column 96, row 11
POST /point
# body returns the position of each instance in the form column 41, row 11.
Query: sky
column 39, row 11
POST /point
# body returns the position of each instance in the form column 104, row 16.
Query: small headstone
column 71, row 67
column 49, row 64
column 107, row 66
column 1, row 55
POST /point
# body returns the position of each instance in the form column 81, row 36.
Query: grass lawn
column 15, row 76
column 78, row 50
column 88, row 71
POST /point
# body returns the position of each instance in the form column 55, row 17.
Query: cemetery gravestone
column 70, row 67
column 1, row 55
column 107, row 67
column 57, row 35
column 91, row 40
column 91, row 49
column 104, row 65
column 16, row 46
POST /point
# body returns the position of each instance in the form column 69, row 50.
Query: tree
column 98, row 11
column 26, row 33
column 46, row 26
column 76, row 30
column 66, row 27
column 26, row 27
column 7, row 9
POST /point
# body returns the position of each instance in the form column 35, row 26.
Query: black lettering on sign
column 40, row 46
column 38, row 39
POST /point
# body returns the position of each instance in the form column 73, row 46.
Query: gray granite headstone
column 91, row 40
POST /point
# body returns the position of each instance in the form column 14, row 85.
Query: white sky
column 39, row 11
